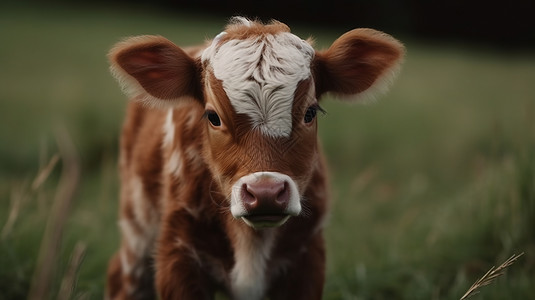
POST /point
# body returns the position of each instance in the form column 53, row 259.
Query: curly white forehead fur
column 260, row 75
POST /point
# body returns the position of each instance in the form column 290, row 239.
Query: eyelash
column 312, row 112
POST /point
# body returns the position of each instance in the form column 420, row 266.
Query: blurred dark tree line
column 504, row 23
column 507, row 23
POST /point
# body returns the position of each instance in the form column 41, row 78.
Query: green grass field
column 432, row 185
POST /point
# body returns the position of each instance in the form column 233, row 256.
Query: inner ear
column 162, row 69
column 362, row 60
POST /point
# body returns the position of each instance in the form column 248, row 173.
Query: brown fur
column 236, row 31
column 179, row 239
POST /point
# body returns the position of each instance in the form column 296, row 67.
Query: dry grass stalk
column 48, row 252
column 83, row 296
column 16, row 202
column 69, row 280
column 18, row 195
column 43, row 174
column 489, row 277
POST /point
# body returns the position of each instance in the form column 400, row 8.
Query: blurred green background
column 432, row 185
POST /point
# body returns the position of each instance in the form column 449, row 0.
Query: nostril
column 248, row 197
column 246, row 191
column 283, row 196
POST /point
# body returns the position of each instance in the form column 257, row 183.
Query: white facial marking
column 260, row 76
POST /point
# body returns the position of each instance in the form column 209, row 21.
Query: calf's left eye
column 311, row 114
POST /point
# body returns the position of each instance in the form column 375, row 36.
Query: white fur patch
column 248, row 277
column 147, row 218
column 138, row 200
column 136, row 243
column 174, row 164
column 260, row 76
column 126, row 266
column 168, row 129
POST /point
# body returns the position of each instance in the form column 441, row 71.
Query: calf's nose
column 265, row 197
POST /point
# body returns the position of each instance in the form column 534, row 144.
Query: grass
column 432, row 185
column 490, row 276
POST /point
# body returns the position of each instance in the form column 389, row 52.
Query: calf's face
column 260, row 109
column 259, row 85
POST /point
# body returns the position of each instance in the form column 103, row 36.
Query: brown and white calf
column 223, row 182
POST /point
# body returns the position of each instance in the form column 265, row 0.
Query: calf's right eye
column 213, row 118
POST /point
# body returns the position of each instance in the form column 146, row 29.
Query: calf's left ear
column 153, row 70
column 359, row 65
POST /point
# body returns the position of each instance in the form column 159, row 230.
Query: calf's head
column 259, row 85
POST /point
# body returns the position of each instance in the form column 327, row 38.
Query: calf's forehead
column 260, row 73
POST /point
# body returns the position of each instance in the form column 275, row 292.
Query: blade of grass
column 48, row 253
column 45, row 172
column 17, row 198
column 69, row 280
column 489, row 277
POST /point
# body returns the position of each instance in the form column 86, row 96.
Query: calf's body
column 223, row 183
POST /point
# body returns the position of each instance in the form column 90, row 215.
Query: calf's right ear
column 153, row 70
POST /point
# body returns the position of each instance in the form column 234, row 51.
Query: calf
column 223, row 183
